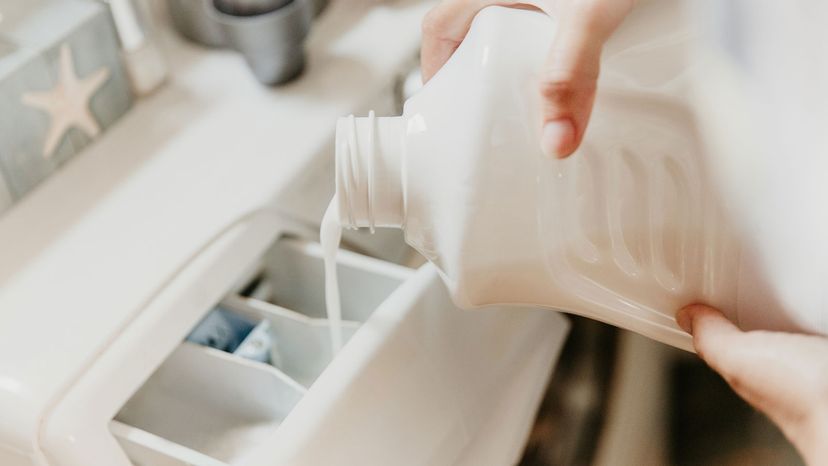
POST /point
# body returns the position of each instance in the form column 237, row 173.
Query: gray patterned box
column 61, row 83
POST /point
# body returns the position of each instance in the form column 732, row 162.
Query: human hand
column 784, row 375
column 569, row 79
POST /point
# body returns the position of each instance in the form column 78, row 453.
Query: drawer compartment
column 293, row 277
column 146, row 449
column 300, row 345
column 212, row 402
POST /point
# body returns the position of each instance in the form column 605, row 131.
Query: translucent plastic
column 626, row 231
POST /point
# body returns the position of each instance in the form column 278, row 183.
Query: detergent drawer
column 244, row 367
column 417, row 381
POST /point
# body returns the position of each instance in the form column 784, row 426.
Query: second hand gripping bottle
column 626, row 231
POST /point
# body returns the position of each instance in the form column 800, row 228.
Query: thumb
column 784, row 375
column 714, row 337
column 570, row 76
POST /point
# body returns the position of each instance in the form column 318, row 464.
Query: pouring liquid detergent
column 626, row 231
column 330, row 235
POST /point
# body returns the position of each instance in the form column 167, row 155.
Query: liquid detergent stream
column 330, row 235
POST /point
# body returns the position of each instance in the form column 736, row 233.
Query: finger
column 570, row 76
column 714, row 336
column 445, row 26
column 732, row 353
column 759, row 366
column 781, row 374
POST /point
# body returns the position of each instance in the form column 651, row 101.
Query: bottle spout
column 369, row 182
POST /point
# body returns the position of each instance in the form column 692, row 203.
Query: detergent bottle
column 627, row 230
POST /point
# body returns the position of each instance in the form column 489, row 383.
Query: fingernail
column 685, row 320
column 557, row 137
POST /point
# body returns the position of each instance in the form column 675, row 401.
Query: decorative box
column 62, row 83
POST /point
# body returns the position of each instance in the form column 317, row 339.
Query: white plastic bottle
column 626, row 231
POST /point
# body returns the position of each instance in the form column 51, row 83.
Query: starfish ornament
column 68, row 102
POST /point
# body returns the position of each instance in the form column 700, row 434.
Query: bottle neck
column 369, row 185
